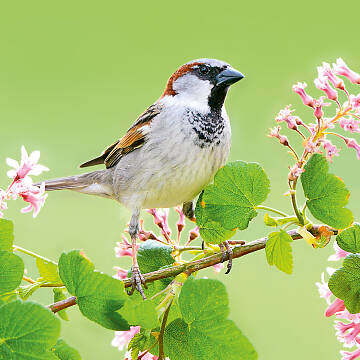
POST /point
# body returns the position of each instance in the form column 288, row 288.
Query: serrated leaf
column 326, row 194
column 210, row 231
column 279, row 252
column 344, row 283
column 11, row 271
column 6, row 234
column 238, row 188
column 64, row 351
column 98, row 295
column 58, row 296
column 27, row 331
column 48, row 270
column 141, row 313
column 141, row 342
column 203, row 300
column 349, row 239
column 204, row 332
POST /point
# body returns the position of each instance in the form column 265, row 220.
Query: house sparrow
column 170, row 153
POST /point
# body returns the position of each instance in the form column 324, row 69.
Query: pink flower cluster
column 122, row 339
column 347, row 325
column 21, row 186
column 315, row 135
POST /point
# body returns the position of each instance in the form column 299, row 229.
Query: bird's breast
column 179, row 158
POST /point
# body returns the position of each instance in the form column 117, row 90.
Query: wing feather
column 132, row 140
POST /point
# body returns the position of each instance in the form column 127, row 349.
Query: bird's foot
column 226, row 252
column 136, row 281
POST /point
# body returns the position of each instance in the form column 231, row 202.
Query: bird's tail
column 96, row 183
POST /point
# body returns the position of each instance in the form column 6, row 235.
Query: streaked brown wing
column 133, row 139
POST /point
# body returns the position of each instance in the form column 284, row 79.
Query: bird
column 169, row 154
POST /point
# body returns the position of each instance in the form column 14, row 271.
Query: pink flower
column 340, row 68
column 34, row 196
column 331, row 150
column 355, row 101
column 339, row 253
column 193, row 234
column 324, row 290
column 325, row 71
column 318, row 107
column 347, row 333
column 322, row 84
column 218, row 267
column 311, row 147
column 286, row 115
column 347, row 355
column 299, row 88
column 3, row 205
column 350, row 124
column 336, row 306
column 181, row 223
column 147, row 356
column 351, row 143
column 121, row 274
column 122, row 338
column 124, row 248
column 161, row 220
column 295, row 172
column 28, row 165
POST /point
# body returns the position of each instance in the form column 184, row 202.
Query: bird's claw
column 228, row 253
column 137, row 280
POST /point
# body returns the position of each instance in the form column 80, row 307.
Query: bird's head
column 202, row 82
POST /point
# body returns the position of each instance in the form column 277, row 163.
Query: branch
column 63, row 304
column 192, row 266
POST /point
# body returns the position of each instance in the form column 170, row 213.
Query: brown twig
column 63, row 304
column 192, row 266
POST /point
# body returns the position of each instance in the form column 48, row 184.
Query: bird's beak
column 228, row 77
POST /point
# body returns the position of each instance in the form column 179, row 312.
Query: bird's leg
column 189, row 211
column 226, row 253
column 136, row 278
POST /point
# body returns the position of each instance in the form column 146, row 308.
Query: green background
column 75, row 74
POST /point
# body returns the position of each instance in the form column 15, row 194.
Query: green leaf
column 98, row 295
column 203, row 300
column 58, row 296
column 27, row 331
column 279, row 252
column 8, row 297
column 344, row 283
column 48, row 270
column 210, row 231
column 65, row 352
column 238, row 188
column 203, row 332
column 141, row 313
column 152, row 256
column 26, row 291
column 326, row 194
column 349, row 239
column 11, row 271
column 270, row 221
column 6, row 234
column 141, row 342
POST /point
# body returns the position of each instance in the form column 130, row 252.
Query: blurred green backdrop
column 75, row 74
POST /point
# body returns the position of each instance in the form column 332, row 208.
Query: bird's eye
column 203, row 69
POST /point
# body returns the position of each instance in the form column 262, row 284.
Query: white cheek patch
column 191, row 89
